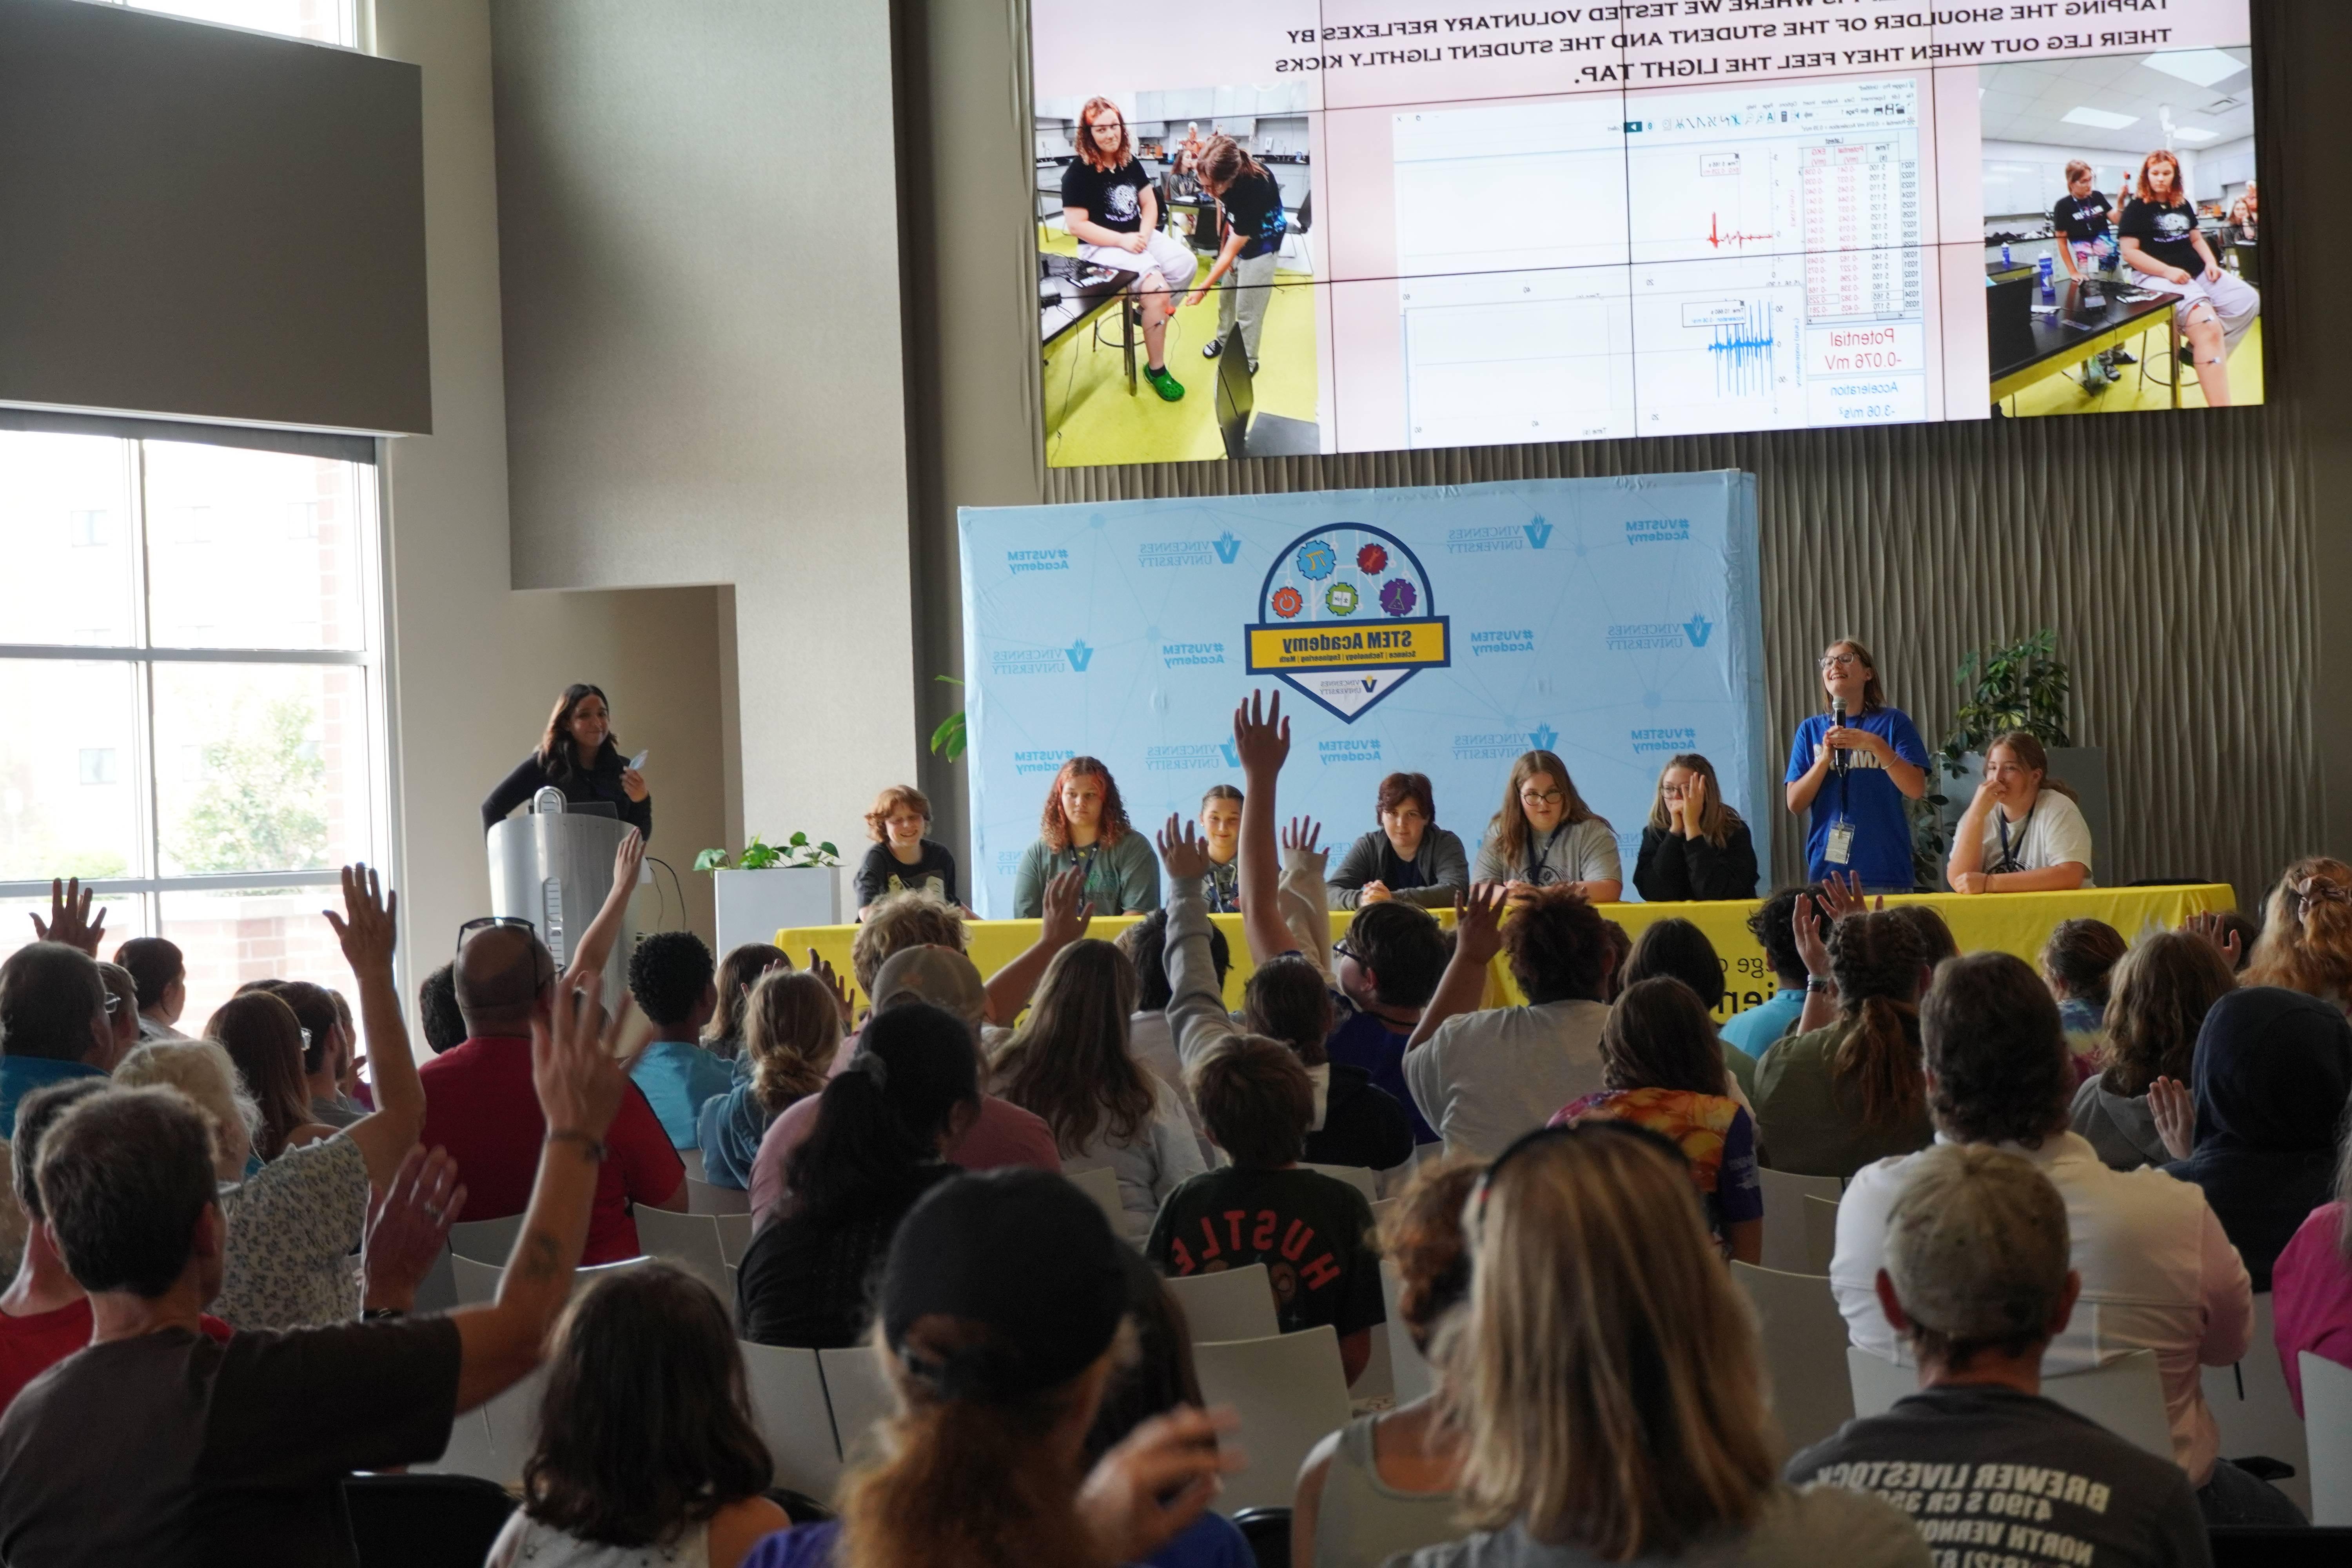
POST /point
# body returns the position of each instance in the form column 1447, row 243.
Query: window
column 319, row 21
column 191, row 717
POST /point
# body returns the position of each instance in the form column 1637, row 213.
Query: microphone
column 1837, row 722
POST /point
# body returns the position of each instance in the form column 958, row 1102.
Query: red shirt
column 480, row 1106
column 32, row 1345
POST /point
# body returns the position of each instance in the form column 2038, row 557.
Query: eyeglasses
column 1346, row 948
column 114, row 1003
column 486, row 921
column 1840, row 660
column 1544, row 797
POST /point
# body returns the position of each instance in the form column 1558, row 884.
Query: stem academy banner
column 1615, row 622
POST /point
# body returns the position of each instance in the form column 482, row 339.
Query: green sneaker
column 1166, row 386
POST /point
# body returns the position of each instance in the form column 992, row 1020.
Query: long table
column 2009, row 923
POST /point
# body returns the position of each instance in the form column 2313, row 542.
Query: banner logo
column 1080, row 654
column 1233, row 756
column 1344, row 616
column 1227, row 546
column 1542, row 738
column 1698, row 626
column 1539, row 533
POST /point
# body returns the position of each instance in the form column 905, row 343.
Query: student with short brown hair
column 904, row 858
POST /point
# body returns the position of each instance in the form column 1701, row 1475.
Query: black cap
column 1021, row 1253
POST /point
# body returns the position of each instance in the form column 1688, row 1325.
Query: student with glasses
column 1544, row 835
column 1850, row 771
column 1695, row 845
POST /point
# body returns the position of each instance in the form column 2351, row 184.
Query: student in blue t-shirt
column 1854, row 778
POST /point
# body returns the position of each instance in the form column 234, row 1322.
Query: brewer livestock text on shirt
column 1297, row 1240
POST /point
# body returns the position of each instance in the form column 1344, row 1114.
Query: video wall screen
column 1283, row 226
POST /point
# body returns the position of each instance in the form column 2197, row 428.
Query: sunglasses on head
column 486, row 921
column 1546, row 1136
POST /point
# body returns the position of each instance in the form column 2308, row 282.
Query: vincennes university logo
column 1346, row 616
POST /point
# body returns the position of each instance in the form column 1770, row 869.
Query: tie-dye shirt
column 1715, row 1134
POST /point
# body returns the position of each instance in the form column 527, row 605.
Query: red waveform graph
column 1718, row 239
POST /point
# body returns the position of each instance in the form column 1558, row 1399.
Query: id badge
column 1841, row 843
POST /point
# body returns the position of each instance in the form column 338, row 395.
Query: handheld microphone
column 1837, row 722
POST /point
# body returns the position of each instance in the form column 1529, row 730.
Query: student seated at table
column 1975, row 1282
column 1695, row 845
column 1085, row 826
column 1544, row 835
column 2167, row 255
column 903, row 859
column 1221, row 825
column 1407, row 856
column 1111, row 210
column 2024, row 833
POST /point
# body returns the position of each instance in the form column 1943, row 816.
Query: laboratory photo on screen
column 1175, row 262
column 2123, row 222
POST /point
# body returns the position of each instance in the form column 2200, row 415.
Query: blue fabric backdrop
column 1440, row 631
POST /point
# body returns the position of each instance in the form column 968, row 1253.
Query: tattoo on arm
column 541, row 1257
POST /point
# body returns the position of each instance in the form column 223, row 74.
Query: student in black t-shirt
column 1308, row 1229
column 902, row 860
column 1253, row 225
column 1112, row 211
column 2081, row 221
column 2162, row 247
column 1976, row 1284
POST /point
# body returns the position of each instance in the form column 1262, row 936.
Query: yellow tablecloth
column 2009, row 923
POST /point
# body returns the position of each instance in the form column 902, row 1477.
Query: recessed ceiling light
column 2203, row 66
column 2194, row 134
column 2104, row 119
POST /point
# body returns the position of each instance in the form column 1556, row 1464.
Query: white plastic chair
column 692, row 1160
column 1784, row 1215
column 485, row 1240
column 2253, row 1412
column 477, row 1283
column 2327, row 1424
column 701, row 1197
column 796, row 1420
column 1101, row 1183
column 1289, row 1392
column 734, row 1236
column 1409, row 1372
column 859, row 1393
column 1804, row 1341
column 1229, row 1304
column 1821, row 1233
column 692, row 1242
column 2125, row 1395
column 1365, row 1180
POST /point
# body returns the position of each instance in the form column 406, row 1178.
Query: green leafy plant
column 793, row 854
column 947, row 741
column 2022, row 685
column 262, row 802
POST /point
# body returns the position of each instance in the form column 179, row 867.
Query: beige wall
column 476, row 665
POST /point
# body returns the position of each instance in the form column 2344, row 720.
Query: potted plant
column 754, row 903
column 2022, row 685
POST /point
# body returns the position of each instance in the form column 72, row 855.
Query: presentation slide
column 1285, row 228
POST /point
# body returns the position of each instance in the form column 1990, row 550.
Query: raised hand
column 1184, row 856
column 835, row 984
column 1066, row 910
column 573, row 1067
column 1301, row 835
column 2168, row 1100
column 629, row 856
column 1478, row 920
column 1805, row 925
column 70, row 920
column 408, row 1227
column 1260, row 736
column 2208, row 924
column 369, row 926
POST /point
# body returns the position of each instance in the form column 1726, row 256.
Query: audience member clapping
column 1385, row 1483
column 1608, row 1384
column 2157, row 1271
column 1661, row 1069
column 670, row 976
column 158, row 1444
column 2078, row 964
column 1676, row 949
column 876, row 1147
column 159, row 970
column 792, row 1026
column 1069, row 1065
column 1976, row 1283
column 1830, row 1101
column 2311, row 1285
column 999, row 1328
column 647, row 1451
column 2158, row 995
column 738, row 973
column 2272, row 1075
column 2306, row 938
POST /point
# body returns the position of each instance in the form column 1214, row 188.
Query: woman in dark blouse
column 580, row 728
column 1695, row 846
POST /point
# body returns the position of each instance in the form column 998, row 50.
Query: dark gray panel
column 209, row 224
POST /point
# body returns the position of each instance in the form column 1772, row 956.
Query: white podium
column 553, row 868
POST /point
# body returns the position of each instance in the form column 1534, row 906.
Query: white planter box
column 754, row 905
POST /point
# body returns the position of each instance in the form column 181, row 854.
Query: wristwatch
column 1819, row 983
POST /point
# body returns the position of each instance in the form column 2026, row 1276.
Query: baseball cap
column 940, row 976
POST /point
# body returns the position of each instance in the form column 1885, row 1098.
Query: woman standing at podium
column 579, row 756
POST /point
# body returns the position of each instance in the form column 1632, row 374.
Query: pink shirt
column 2311, row 1298
column 1004, row 1134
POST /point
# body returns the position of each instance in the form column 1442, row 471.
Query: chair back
column 437, row 1291
column 1367, row 1181
column 788, row 1401
column 1804, row 1341
column 1268, row 1531
column 860, row 1397
column 485, row 1240
column 1409, row 1371
column 476, row 1282
column 690, row 1241
column 1784, row 1215
column 2125, row 1395
column 1821, row 1233
column 701, row 1197
column 692, row 1158
column 1231, row 1304
column 2254, row 1413
column 734, row 1236
column 1101, row 1183
column 424, row 1520
column 1289, row 1392
column 2327, row 1424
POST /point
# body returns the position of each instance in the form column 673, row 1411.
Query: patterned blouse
column 294, row 1229
column 1715, row 1134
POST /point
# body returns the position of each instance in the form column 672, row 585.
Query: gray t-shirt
column 1798, row 1530
column 1485, row 1078
column 1574, row 852
column 2016, row 1480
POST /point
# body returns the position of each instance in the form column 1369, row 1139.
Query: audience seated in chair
column 328, row 1049
column 2306, row 937
column 2078, row 964
column 1385, row 974
column 2158, row 995
column 237, row 1451
column 1976, row 1283
column 670, row 976
column 1756, row 1029
column 791, row 1022
column 53, row 1021
column 121, row 1007
column 876, row 1147
column 1385, row 1483
column 2157, row 1272
column 738, row 973
column 2311, row 1285
column 647, row 1453
column 1611, row 1384
column 1830, row 1100
column 438, row 1010
column 1150, row 1039
column 999, row 1325
column 160, row 972
column 1675, row 948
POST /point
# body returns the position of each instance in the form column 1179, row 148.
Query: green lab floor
column 2064, row 393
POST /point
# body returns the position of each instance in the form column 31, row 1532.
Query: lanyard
column 1538, row 866
column 2001, row 818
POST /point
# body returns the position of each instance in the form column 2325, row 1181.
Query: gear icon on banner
column 1371, row 560
column 1288, row 602
column 1397, row 596
column 1316, row 560
column 1341, row 598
